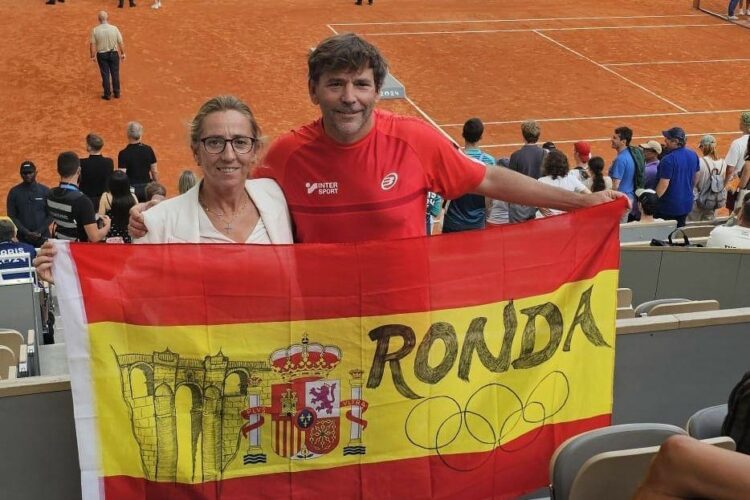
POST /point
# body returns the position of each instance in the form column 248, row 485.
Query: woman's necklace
column 227, row 221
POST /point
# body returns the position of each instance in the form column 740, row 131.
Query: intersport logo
column 322, row 188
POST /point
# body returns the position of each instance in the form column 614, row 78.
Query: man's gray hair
column 135, row 130
column 7, row 230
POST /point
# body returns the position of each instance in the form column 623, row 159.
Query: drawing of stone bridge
column 218, row 388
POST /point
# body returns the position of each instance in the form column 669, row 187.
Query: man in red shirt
column 359, row 174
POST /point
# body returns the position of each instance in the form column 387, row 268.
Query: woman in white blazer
column 225, row 207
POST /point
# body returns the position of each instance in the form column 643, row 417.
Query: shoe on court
column 742, row 12
column 732, row 18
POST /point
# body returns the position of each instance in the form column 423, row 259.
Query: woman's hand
column 136, row 224
column 43, row 261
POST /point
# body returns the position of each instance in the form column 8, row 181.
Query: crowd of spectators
column 664, row 180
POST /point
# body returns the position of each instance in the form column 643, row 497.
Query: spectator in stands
column 738, row 149
column 597, row 181
column 737, row 236
column 116, row 204
column 677, row 173
column 27, row 207
column 556, row 170
column 138, row 160
column 95, row 170
column 651, row 152
column 686, row 468
column 155, row 191
column 549, row 146
column 709, row 167
column 72, row 211
column 433, row 211
column 394, row 155
column 498, row 210
column 186, row 181
column 648, row 203
column 735, row 215
column 527, row 161
column 622, row 170
column 469, row 211
column 730, row 11
column 13, row 253
column 581, row 155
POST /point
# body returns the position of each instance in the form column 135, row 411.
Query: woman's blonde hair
column 218, row 104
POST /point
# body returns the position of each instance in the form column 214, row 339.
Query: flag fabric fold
column 425, row 367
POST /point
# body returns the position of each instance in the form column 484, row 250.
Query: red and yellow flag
column 421, row 368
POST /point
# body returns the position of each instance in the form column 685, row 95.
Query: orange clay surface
column 580, row 67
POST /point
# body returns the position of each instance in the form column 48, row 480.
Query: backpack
column 711, row 194
column 737, row 422
column 640, row 166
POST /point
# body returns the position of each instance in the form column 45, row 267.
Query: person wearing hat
column 651, row 152
column 27, row 207
column 581, row 155
column 677, row 173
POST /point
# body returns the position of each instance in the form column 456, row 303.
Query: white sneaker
column 732, row 18
column 742, row 12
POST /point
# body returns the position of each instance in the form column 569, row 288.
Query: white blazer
column 176, row 220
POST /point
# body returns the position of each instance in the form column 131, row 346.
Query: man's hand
column 43, row 261
column 606, row 196
column 107, row 223
column 136, row 225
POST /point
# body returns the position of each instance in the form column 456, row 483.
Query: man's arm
column 615, row 184
column 12, row 210
column 745, row 176
column 504, row 184
column 92, row 51
column 154, row 172
column 661, row 187
column 96, row 234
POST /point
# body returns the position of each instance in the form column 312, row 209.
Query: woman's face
column 227, row 169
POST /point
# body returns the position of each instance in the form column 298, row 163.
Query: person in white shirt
column 733, row 236
column 738, row 149
column 556, row 168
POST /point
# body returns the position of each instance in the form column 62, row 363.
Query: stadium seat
column 616, row 475
column 706, row 423
column 7, row 364
column 645, row 308
column 571, row 456
column 684, row 307
column 624, row 297
column 625, row 312
column 13, row 340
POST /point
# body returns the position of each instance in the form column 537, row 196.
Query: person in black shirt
column 27, row 207
column 71, row 210
column 138, row 160
column 95, row 170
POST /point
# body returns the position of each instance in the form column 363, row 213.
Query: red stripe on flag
column 228, row 284
column 501, row 475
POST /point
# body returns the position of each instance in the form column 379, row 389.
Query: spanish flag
column 440, row 367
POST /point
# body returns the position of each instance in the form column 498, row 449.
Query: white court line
column 611, row 71
column 534, row 30
column 648, row 63
column 469, row 21
column 603, row 139
column 609, row 117
column 430, row 120
column 330, row 27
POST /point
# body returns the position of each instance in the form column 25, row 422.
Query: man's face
column 617, row 143
column 346, row 100
column 671, row 144
column 28, row 175
column 650, row 155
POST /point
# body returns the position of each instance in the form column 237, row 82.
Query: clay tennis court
column 580, row 67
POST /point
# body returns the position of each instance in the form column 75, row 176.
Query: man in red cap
column 581, row 156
